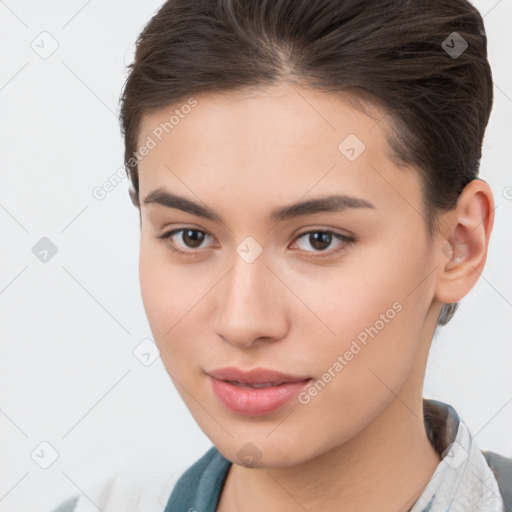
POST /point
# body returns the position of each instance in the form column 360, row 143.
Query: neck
column 385, row 467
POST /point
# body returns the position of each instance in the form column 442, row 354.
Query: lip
column 254, row 376
column 255, row 401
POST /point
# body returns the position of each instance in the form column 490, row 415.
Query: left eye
column 318, row 239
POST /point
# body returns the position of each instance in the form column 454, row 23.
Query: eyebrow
column 323, row 204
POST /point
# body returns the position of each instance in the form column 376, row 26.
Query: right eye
column 189, row 237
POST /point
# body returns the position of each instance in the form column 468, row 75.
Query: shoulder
column 502, row 468
column 128, row 489
column 206, row 473
column 68, row 505
column 210, row 461
column 200, row 485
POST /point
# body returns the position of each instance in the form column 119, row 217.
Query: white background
column 68, row 327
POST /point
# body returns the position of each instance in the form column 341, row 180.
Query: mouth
column 254, row 386
column 256, row 392
column 255, row 376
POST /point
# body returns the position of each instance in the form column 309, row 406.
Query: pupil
column 196, row 239
column 325, row 238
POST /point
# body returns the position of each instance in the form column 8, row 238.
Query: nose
column 251, row 306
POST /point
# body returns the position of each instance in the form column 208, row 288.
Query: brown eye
column 320, row 240
column 190, row 239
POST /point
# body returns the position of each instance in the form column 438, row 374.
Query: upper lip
column 254, row 376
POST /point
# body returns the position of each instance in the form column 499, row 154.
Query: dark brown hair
column 403, row 53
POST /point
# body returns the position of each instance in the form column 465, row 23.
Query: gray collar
column 463, row 480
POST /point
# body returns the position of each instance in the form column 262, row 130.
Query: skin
column 361, row 441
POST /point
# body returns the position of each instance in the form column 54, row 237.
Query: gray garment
column 465, row 480
column 67, row 505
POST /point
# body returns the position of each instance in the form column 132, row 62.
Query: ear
column 466, row 233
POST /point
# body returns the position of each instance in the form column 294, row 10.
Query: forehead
column 289, row 115
column 280, row 141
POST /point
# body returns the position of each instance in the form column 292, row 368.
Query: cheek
column 359, row 371
column 368, row 322
column 175, row 301
column 166, row 295
column 378, row 325
column 155, row 289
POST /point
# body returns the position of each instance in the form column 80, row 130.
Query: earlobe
column 466, row 240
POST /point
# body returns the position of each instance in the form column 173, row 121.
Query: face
column 337, row 296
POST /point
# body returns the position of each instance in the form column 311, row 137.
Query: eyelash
column 347, row 242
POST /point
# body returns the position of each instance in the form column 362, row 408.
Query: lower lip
column 255, row 401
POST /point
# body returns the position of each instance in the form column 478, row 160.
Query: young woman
column 310, row 208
